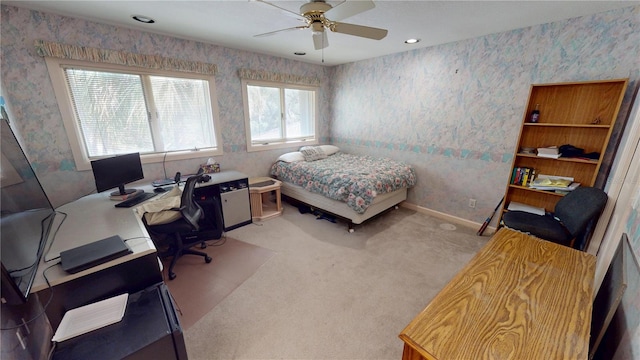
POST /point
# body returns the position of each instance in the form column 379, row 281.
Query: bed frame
column 341, row 209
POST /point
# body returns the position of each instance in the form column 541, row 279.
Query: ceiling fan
column 318, row 16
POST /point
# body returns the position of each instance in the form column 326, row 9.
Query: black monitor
column 26, row 216
column 115, row 172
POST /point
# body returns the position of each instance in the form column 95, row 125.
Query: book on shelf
column 549, row 152
column 522, row 176
column 551, row 156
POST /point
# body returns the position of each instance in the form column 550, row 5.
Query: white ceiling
column 233, row 24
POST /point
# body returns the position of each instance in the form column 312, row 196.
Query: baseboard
column 490, row 230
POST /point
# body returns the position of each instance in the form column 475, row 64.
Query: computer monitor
column 116, row 172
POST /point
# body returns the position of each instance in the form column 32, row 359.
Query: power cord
column 44, row 308
column 55, row 232
column 218, row 242
column 164, row 158
column 40, row 248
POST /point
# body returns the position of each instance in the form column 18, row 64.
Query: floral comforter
column 353, row 179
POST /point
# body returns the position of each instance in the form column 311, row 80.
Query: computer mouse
column 159, row 190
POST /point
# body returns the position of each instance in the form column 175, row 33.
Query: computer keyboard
column 136, row 200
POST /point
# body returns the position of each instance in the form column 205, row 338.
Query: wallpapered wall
column 454, row 111
column 34, row 111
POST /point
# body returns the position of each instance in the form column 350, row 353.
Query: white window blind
column 120, row 112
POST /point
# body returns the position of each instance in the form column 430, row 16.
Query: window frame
column 251, row 147
column 82, row 160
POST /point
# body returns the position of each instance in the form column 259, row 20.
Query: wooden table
column 519, row 298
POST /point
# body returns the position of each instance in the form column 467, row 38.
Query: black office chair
column 570, row 218
column 177, row 231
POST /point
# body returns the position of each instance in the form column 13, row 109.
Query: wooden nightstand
column 262, row 206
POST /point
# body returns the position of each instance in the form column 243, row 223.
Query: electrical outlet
column 472, row 203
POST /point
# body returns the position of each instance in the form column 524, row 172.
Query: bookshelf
column 581, row 114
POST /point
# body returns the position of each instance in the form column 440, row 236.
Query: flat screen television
column 116, row 172
column 26, row 218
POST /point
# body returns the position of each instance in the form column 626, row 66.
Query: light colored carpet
column 329, row 294
column 199, row 287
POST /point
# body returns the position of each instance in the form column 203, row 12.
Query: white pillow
column 312, row 153
column 291, row 157
column 329, row 149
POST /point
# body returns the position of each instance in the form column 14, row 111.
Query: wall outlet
column 472, row 203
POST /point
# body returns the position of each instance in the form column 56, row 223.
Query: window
column 113, row 109
column 279, row 115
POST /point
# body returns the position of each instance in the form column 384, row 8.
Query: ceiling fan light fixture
column 412, row 41
column 143, row 19
column 317, row 28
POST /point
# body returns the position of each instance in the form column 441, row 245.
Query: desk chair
column 177, row 231
column 570, row 218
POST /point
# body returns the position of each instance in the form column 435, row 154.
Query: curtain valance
column 249, row 74
column 74, row 52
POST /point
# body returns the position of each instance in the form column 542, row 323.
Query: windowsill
column 160, row 157
column 280, row 145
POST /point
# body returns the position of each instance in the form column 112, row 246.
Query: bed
column 352, row 187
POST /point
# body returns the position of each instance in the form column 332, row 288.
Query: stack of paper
column 91, row 317
column 516, row 206
column 550, row 182
column 549, row 152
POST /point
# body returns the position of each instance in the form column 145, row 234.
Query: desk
column 89, row 219
column 518, row 298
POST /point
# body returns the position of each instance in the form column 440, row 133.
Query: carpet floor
column 326, row 293
column 199, row 287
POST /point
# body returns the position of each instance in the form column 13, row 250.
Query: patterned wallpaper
column 34, row 111
column 454, row 110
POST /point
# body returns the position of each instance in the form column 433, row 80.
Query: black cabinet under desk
column 149, row 329
column 231, row 190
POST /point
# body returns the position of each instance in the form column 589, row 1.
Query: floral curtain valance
column 73, row 52
column 248, row 74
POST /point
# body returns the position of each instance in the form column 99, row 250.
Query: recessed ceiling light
column 411, row 41
column 300, row 53
column 143, row 19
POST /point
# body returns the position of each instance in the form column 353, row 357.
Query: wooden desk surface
column 518, row 298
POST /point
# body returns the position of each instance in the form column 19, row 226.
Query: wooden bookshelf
column 581, row 114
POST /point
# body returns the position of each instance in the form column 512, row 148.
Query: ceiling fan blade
column 301, row 27
column 359, row 30
column 320, row 40
column 348, row 8
column 286, row 11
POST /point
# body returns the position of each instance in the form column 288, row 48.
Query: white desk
column 89, row 219
column 92, row 218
